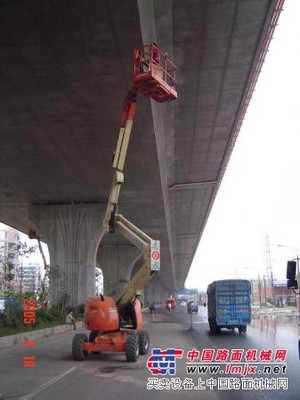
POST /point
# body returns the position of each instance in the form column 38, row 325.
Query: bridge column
column 155, row 292
column 116, row 263
column 72, row 233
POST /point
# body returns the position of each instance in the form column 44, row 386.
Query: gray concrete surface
column 17, row 339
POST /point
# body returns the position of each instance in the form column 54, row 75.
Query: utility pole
column 269, row 269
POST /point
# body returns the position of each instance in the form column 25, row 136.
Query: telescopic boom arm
column 126, row 122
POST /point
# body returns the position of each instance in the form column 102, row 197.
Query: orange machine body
column 101, row 314
column 138, row 314
column 108, row 341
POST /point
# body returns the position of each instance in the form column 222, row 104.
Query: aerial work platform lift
column 116, row 324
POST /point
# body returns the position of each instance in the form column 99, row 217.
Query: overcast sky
column 260, row 193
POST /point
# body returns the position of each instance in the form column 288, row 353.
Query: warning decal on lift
column 155, row 255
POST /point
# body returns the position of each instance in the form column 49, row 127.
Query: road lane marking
column 46, row 385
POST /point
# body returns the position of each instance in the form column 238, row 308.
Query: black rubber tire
column 132, row 348
column 77, row 352
column 144, row 342
column 242, row 329
column 214, row 329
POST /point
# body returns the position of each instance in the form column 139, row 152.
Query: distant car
column 192, row 307
column 170, row 303
column 183, row 303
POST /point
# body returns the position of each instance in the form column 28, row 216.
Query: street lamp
column 297, row 260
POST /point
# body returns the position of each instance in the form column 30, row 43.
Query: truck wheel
column 143, row 342
column 132, row 348
column 214, row 329
column 77, row 352
column 242, row 329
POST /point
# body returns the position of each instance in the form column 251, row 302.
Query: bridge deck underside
column 65, row 70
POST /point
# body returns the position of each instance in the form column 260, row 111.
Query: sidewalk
column 17, row 339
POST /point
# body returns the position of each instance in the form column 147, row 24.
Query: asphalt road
column 109, row 376
column 266, row 335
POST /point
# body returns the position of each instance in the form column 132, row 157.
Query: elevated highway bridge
column 65, row 70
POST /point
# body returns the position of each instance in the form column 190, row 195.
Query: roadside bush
column 79, row 312
column 11, row 318
column 55, row 314
column 3, row 321
column 42, row 315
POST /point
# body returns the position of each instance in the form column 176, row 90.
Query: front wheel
column 143, row 342
column 132, row 348
column 214, row 329
column 77, row 352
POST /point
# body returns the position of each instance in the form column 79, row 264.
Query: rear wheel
column 77, row 352
column 143, row 342
column 242, row 329
column 132, row 348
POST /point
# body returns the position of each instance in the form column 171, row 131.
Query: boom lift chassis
column 117, row 325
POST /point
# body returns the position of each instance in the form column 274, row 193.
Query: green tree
column 9, row 275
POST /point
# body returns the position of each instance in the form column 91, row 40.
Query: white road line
column 46, row 385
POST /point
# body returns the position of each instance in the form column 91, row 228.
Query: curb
column 17, row 339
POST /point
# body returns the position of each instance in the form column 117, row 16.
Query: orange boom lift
column 116, row 325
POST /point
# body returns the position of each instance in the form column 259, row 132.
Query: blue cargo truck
column 229, row 305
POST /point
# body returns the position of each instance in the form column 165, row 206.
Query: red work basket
column 154, row 74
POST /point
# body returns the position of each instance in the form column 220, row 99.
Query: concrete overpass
column 65, row 70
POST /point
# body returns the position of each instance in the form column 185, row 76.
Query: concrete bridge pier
column 117, row 263
column 72, row 233
column 155, row 292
